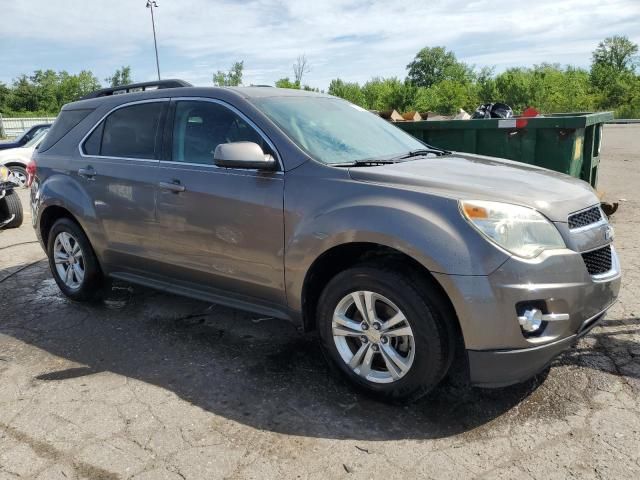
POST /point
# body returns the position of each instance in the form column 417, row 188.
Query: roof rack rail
column 137, row 87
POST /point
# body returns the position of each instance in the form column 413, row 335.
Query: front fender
column 427, row 228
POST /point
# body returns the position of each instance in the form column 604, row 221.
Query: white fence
column 12, row 127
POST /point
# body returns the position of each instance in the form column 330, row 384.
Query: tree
column 72, row 87
column 618, row 53
column 121, row 76
column 486, row 84
column 286, row 83
column 24, row 96
column 388, row 94
column 300, row 68
column 433, row 65
column 350, row 91
column 615, row 83
column 447, row 97
column 232, row 78
column 5, row 92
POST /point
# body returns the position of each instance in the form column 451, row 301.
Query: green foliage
column 286, row 83
column 437, row 81
column 388, row 94
column 613, row 75
column 433, row 65
column 45, row 92
column 549, row 88
column 447, row 97
column 232, row 78
column 350, row 91
column 121, row 76
column 617, row 52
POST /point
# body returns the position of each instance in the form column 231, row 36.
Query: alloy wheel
column 373, row 337
column 69, row 260
column 19, row 177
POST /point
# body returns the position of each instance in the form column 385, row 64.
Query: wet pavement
column 147, row 385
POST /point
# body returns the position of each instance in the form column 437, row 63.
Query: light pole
column 151, row 4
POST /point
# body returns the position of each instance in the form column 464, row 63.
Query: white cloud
column 353, row 39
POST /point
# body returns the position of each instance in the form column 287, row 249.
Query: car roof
column 214, row 92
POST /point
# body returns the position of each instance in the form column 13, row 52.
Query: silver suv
column 305, row 207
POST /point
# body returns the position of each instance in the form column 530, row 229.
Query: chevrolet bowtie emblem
column 608, row 233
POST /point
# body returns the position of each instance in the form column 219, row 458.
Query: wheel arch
column 15, row 163
column 343, row 256
column 60, row 196
column 49, row 216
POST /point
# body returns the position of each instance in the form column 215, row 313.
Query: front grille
column 584, row 218
column 598, row 261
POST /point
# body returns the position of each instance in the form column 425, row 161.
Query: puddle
column 47, row 291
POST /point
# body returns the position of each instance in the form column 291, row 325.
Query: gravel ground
column 151, row 386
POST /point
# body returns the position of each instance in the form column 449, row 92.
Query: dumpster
column 564, row 142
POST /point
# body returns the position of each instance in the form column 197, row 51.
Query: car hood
column 476, row 177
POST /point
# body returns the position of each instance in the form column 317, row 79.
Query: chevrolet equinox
column 305, row 207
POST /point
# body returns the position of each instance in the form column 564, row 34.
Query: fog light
column 531, row 320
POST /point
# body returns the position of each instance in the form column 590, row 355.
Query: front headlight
column 520, row 230
column 4, row 174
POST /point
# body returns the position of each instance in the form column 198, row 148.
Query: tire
column 20, row 173
column 13, row 206
column 422, row 308
column 81, row 288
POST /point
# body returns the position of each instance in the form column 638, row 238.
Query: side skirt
column 219, row 298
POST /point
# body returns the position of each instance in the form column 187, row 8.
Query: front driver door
column 221, row 228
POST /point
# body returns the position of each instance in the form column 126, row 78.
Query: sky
column 350, row 39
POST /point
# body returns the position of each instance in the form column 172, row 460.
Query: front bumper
column 500, row 368
column 498, row 351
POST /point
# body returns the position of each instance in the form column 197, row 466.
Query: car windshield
column 334, row 131
column 36, row 139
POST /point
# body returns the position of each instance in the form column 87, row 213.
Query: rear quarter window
column 63, row 125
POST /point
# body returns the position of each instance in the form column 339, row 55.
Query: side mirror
column 243, row 155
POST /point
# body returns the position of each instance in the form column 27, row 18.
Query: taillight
column 31, row 171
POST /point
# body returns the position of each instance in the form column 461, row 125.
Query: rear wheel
column 73, row 262
column 12, row 208
column 384, row 332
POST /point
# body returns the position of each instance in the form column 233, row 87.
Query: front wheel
column 20, row 175
column 73, row 262
column 385, row 332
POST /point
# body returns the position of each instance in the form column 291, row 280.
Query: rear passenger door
column 118, row 167
column 221, row 228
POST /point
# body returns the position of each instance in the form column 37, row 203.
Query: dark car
column 303, row 206
column 25, row 137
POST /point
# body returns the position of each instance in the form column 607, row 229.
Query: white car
column 16, row 159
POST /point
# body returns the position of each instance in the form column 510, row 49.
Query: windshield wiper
column 423, row 151
column 371, row 162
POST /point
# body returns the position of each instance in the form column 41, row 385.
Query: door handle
column 172, row 187
column 87, row 173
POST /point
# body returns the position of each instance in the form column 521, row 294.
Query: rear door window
column 129, row 132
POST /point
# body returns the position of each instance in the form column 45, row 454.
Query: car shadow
column 610, row 351
column 261, row 372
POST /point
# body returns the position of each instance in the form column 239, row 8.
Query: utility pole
column 151, row 4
